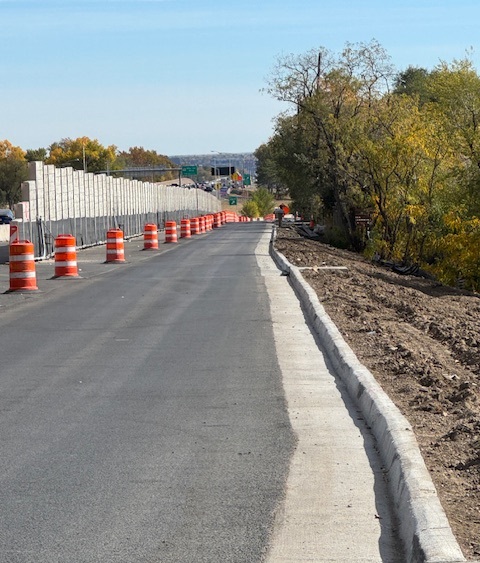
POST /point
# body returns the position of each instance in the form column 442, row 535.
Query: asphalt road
column 142, row 416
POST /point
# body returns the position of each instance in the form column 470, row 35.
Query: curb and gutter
column 424, row 527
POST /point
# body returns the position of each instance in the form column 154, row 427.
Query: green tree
column 39, row 154
column 329, row 93
column 413, row 82
column 264, row 201
column 250, row 209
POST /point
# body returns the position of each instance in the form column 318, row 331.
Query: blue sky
column 185, row 76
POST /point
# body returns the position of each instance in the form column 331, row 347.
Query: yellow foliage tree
column 13, row 171
column 83, row 154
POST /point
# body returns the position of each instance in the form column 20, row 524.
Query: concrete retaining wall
column 64, row 200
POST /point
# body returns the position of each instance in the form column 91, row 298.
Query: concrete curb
column 424, row 528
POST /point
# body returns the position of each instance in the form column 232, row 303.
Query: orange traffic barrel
column 150, row 237
column 202, row 224
column 22, row 266
column 115, row 246
column 171, row 231
column 65, row 256
column 195, row 226
column 224, row 217
column 217, row 220
column 185, row 229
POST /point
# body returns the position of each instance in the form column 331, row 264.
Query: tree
column 82, row 154
column 250, row 209
column 413, row 82
column 39, row 154
column 138, row 157
column 264, row 202
column 329, row 93
column 13, row 171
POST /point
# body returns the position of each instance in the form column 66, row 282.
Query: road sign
column 232, row 200
column 223, row 170
column 362, row 219
column 13, row 233
column 247, row 180
column 189, row 171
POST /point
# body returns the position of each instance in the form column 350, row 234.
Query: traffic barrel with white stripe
column 65, row 256
column 150, row 237
column 185, row 229
column 115, row 246
column 195, row 226
column 171, row 231
column 22, row 266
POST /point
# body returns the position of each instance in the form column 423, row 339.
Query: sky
column 188, row 76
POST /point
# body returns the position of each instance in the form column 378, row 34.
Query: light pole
column 215, row 172
column 84, row 159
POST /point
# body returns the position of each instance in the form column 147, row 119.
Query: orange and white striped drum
column 150, row 237
column 171, row 231
column 217, row 220
column 65, row 256
column 115, row 246
column 202, row 224
column 195, row 226
column 22, row 266
column 185, row 229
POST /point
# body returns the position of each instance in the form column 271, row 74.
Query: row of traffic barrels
column 22, row 261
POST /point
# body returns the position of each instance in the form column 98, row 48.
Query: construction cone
column 115, row 246
column 150, row 237
column 22, row 266
column 65, row 256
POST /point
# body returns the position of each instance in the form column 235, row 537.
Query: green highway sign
column 246, row 180
column 189, row 171
column 232, row 200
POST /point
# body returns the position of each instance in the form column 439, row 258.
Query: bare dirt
column 421, row 341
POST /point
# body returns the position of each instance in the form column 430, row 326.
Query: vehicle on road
column 6, row 216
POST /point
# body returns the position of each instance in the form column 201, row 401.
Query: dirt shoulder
column 421, row 341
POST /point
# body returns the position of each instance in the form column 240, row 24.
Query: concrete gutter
column 424, row 528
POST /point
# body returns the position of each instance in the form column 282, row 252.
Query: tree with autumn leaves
column 13, row 171
column 402, row 149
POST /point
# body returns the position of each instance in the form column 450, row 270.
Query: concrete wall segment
column 64, row 200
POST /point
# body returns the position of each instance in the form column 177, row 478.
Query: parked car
column 6, row 216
